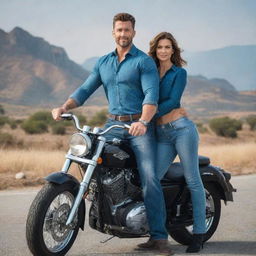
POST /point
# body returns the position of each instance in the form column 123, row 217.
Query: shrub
column 13, row 124
column 34, row 127
column 6, row 139
column 3, row 120
column 2, row 111
column 44, row 116
column 201, row 128
column 225, row 126
column 82, row 119
column 59, row 129
column 99, row 118
column 251, row 120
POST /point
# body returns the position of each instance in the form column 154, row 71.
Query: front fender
column 215, row 175
column 61, row 178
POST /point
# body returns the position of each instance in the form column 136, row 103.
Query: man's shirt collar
column 133, row 51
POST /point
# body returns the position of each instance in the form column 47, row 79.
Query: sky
column 84, row 27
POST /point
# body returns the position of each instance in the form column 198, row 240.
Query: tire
column 183, row 235
column 45, row 222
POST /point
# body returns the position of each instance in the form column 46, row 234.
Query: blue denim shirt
column 172, row 85
column 128, row 85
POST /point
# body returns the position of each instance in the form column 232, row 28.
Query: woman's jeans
column 181, row 137
column 144, row 148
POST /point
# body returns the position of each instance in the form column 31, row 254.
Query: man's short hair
column 124, row 17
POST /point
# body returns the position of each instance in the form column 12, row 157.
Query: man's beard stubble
column 125, row 45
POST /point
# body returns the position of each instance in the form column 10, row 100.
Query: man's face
column 123, row 33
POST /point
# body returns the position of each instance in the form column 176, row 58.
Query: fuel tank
column 118, row 156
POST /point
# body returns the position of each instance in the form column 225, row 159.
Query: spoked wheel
column 46, row 230
column 183, row 235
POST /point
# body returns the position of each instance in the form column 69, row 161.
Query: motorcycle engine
column 133, row 216
column 122, row 191
column 119, row 185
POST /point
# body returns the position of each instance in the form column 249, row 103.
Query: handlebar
column 70, row 116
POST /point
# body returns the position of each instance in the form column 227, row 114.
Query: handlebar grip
column 127, row 126
column 67, row 116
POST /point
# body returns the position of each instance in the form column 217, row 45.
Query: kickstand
column 104, row 241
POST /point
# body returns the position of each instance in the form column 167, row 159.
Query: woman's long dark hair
column 175, row 58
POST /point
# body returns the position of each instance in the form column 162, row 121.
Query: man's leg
column 144, row 148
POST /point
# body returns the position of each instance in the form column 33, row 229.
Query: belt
column 125, row 118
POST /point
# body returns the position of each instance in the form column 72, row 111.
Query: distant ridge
column 235, row 63
column 36, row 73
column 32, row 71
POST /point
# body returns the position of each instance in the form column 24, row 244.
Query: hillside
column 204, row 97
column 233, row 63
column 34, row 72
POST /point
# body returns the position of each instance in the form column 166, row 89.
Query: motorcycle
column 111, row 183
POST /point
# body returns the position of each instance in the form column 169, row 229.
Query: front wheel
column 183, row 235
column 46, row 231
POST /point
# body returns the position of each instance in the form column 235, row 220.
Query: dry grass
column 234, row 158
column 44, row 154
column 33, row 161
column 36, row 164
column 237, row 158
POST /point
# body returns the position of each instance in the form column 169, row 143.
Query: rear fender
column 212, row 174
column 60, row 178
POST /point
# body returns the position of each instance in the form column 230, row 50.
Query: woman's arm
column 176, row 93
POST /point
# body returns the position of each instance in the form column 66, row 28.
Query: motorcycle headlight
column 80, row 144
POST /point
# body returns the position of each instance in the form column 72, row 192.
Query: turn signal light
column 99, row 161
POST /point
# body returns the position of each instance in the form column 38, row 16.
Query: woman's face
column 164, row 50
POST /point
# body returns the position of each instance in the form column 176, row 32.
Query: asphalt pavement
column 236, row 234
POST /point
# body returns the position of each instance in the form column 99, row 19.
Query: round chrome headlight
column 80, row 144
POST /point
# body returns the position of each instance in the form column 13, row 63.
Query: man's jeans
column 181, row 137
column 144, row 148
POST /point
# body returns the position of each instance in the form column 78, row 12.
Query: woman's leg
column 166, row 151
column 187, row 148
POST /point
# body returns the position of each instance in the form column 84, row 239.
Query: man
column 130, row 81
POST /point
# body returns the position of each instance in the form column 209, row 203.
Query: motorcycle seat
column 175, row 172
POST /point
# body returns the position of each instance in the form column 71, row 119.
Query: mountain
column 34, row 72
column 89, row 63
column 234, row 63
column 203, row 97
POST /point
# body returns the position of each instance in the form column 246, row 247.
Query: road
column 236, row 234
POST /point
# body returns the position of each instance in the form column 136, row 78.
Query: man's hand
column 56, row 113
column 137, row 129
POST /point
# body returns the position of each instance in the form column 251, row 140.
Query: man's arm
column 150, row 87
column 137, row 128
column 81, row 94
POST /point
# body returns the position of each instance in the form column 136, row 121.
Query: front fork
column 87, row 177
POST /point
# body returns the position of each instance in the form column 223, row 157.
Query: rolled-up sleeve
column 149, row 81
column 81, row 94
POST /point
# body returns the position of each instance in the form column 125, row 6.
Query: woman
column 176, row 134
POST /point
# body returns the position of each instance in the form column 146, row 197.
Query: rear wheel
column 183, row 235
column 46, row 230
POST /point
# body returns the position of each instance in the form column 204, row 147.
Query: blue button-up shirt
column 128, row 85
column 172, row 85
